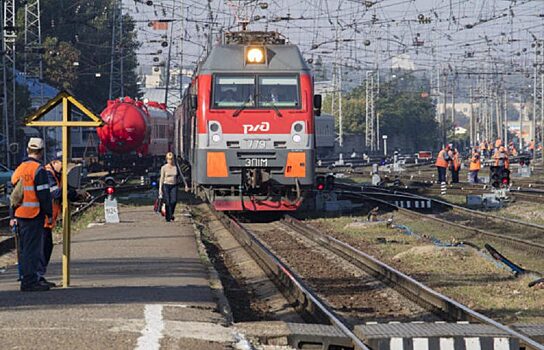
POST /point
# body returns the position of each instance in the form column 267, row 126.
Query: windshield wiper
column 243, row 106
column 278, row 113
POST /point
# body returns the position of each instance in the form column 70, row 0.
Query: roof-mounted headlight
column 255, row 55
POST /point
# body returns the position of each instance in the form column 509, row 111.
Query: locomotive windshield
column 234, row 91
column 272, row 91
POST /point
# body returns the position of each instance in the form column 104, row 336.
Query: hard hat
column 169, row 155
column 35, row 143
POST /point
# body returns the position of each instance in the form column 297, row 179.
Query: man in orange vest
column 54, row 170
column 455, row 166
column 501, row 158
column 532, row 148
column 474, row 166
column 31, row 214
column 442, row 161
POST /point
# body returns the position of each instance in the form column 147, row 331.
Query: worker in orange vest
column 532, row 148
column 455, row 165
column 512, row 149
column 474, row 166
column 501, row 158
column 442, row 162
column 483, row 148
column 54, row 176
column 31, row 214
column 498, row 143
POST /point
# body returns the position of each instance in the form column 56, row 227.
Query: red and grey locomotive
column 245, row 128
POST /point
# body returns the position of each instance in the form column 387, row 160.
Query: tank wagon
column 136, row 134
column 245, row 128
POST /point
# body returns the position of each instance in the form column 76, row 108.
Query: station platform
column 139, row 284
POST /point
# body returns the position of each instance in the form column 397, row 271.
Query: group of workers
column 449, row 158
column 39, row 192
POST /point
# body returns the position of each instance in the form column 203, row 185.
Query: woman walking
column 168, row 186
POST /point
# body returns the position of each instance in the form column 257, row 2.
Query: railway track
column 320, row 274
column 7, row 239
column 523, row 235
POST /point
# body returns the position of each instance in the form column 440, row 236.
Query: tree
column 85, row 28
column 60, row 63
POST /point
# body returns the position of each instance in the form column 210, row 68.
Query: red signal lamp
column 320, row 187
column 110, row 190
column 505, row 181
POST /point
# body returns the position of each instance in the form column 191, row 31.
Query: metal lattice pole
column 33, row 59
column 8, row 49
column 116, row 58
column 174, row 64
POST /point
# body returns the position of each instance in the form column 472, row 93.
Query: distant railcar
column 245, row 128
column 325, row 135
column 135, row 134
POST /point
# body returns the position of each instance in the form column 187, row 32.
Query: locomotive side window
column 278, row 91
column 234, row 91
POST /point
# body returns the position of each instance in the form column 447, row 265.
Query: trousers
column 474, row 176
column 46, row 251
column 31, row 236
column 170, row 198
column 454, row 175
column 441, row 174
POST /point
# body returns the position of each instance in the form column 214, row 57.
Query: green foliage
column 81, row 32
column 406, row 116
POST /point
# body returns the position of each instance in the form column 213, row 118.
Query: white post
column 384, row 145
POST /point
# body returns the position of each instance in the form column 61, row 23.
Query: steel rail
column 418, row 290
column 290, row 281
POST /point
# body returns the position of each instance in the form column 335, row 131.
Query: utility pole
column 8, row 62
column 443, row 117
column 340, row 116
column 174, row 87
column 471, row 123
column 33, row 54
column 116, row 56
column 505, row 106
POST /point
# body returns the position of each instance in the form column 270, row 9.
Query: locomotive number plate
column 254, row 143
column 256, row 162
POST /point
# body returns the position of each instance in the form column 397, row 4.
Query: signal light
column 320, row 183
column 329, row 183
column 110, row 190
column 500, row 177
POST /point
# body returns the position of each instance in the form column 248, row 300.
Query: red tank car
column 127, row 127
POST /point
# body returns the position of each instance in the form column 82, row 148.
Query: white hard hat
column 35, row 143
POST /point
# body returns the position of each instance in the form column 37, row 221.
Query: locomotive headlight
column 297, row 138
column 216, row 138
column 255, row 55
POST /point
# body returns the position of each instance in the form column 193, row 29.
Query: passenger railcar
column 245, row 128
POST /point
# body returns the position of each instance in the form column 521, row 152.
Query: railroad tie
column 447, row 343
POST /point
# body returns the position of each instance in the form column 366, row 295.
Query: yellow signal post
column 67, row 102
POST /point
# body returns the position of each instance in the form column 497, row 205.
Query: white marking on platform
column 472, row 344
column 447, row 344
column 152, row 331
column 396, row 344
column 421, row 343
column 501, row 344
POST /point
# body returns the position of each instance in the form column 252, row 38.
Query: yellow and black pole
column 67, row 102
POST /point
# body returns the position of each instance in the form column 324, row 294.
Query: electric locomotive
column 245, row 128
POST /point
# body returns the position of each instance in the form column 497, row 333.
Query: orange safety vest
column 440, row 161
column 56, row 203
column 456, row 161
column 505, row 159
column 475, row 163
column 26, row 172
column 532, row 145
column 498, row 143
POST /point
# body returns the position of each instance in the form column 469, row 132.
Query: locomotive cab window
column 278, row 91
column 234, row 91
